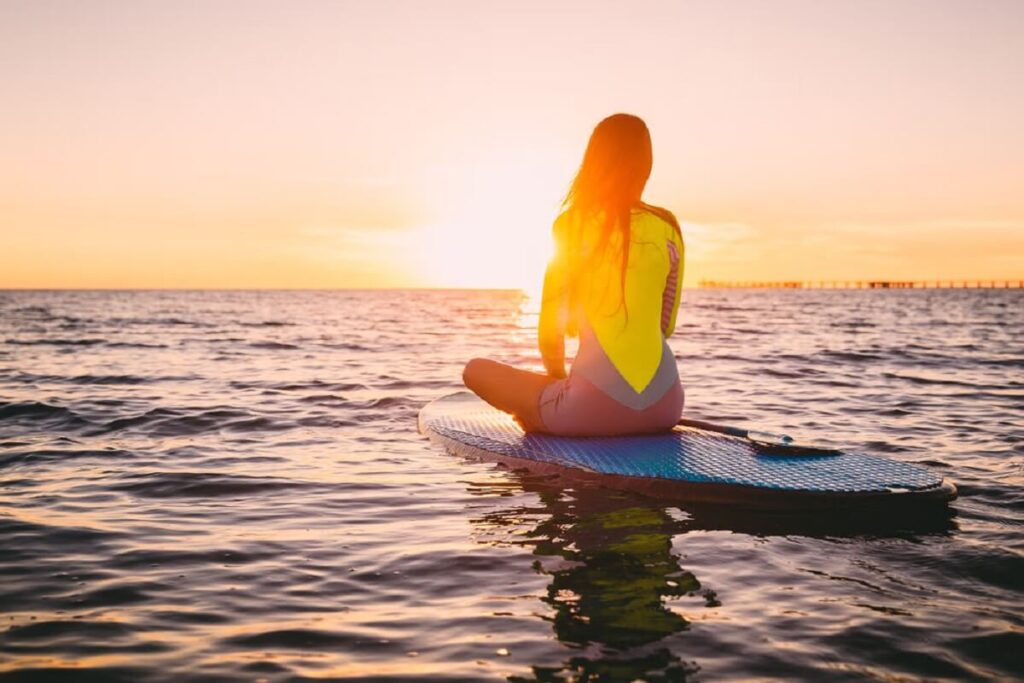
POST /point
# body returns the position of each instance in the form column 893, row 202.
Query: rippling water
column 230, row 486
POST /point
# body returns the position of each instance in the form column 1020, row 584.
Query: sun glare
column 487, row 251
column 499, row 232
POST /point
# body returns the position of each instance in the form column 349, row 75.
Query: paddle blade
column 782, row 444
column 768, row 444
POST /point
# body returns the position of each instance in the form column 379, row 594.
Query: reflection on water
column 610, row 565
column 617, row 589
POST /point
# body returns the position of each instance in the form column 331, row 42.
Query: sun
column 488, row 252
column 496, row 231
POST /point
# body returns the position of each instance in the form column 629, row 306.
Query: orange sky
column 382, row 143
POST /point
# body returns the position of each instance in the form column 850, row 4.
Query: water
column 229, row 486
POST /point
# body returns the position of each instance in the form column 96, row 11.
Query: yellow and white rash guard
column 624, row 377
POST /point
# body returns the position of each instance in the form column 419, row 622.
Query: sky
column 425, row 143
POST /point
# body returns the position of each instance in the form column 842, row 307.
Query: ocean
column 230, row 486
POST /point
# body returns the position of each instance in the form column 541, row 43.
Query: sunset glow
column 407, row 144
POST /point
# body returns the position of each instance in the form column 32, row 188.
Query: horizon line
column 703, row 284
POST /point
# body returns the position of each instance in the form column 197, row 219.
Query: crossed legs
column 508, row 389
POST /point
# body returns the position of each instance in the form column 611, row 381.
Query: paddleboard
column 686, row 464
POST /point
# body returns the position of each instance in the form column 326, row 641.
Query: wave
column 56, row 342
column 194, row 421
column 269, row 323
column 41, row 414
column 943, row 381
column 29, row 532
column 1002, row 362
column 310, row 385
column 419, row 384
column 327, row 421
column 124, row 379
column 324, row 399
column 855, row 356
column 31, row 309
column 169, row 322
column 62, row 455
column 136, row 345
column 102, row 380
column 183, row 422
column 273, row 346
column 386, row 402
column 347, row 346
column 203, row 485
column 141, row 558
column 84, row 342
column 49, row 630
column 302, row 639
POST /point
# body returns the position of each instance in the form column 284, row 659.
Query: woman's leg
column 508, row 389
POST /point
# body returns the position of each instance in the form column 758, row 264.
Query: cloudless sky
column 419, row 143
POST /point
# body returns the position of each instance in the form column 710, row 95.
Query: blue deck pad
column 684, row 454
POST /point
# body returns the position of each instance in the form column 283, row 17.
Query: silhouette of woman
column 614, row 281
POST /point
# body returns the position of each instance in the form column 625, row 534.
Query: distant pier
column 863, row 284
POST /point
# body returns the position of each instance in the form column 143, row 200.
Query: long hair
column 607, row 187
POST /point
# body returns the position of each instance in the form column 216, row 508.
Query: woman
column 614, row 281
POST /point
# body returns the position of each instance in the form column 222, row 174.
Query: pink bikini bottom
column 575, row 407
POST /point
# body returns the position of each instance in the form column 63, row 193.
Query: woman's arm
column 554, row 308
column 673, row 285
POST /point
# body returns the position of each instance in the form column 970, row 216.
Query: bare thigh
column 508, row 389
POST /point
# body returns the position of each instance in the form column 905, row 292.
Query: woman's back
column 614, row 281
column 624, row 377
column 628, row 320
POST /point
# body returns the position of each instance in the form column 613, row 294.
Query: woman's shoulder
column 661, row 217
column 562, row 223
